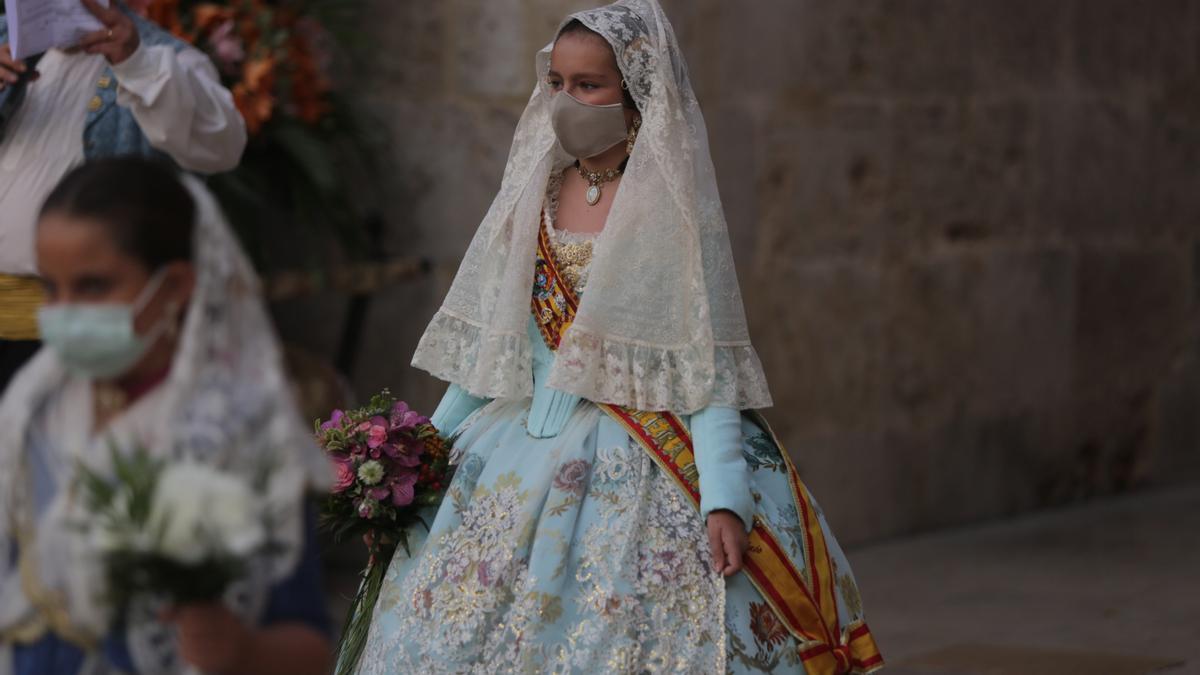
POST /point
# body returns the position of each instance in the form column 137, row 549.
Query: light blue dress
column 562, row 547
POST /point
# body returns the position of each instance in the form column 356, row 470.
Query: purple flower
column 379, row 493
column 404, row 418
column 367, row 508
column 407, row 452
column 403, row 488
column 334, row 420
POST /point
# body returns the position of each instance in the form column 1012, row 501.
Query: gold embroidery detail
column 19, row 299
column 573, row 259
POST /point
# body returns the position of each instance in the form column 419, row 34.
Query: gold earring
column 633, row 134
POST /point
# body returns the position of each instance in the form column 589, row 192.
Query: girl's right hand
column 11, row 70
column 727, row 541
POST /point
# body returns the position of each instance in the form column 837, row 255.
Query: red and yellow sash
column 807, row 607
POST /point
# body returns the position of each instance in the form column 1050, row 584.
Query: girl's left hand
column 211, row 637
column 727, row 541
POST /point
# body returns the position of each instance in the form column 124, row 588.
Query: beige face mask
column 586, row 130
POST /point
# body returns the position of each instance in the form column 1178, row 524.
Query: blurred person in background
column 156, row 337
column 127, row 89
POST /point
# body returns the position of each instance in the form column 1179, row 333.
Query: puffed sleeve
column 181, row 106
column 455, row 407
column 724, row 474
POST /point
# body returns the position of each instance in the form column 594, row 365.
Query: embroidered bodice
column 572, row 250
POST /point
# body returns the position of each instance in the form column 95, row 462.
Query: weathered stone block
column 1128, row 44
column 961, row 171
column 1176, row 454
column 490, row 53
column 981, row 333
column 411, row 57
column 821, row 336
column 453, row 158
column 1132, row 314
column 1019, row 45
column 1093, row 167
column 922, row 47
column 821, row 178
column 1174, row 157
column 736, row 166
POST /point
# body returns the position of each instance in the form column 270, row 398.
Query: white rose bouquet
column 182, row 531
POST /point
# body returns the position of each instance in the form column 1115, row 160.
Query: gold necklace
column 597, row 178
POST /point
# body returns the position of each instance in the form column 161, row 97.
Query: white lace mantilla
column 662, row 325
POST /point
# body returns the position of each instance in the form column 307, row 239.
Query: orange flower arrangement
column 268, row 55
column 306, row 168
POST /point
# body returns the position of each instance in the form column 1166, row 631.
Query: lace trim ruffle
column 491, row 365
column 656, row 378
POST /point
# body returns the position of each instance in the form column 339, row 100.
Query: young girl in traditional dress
column 614, row 510
column 156, row 337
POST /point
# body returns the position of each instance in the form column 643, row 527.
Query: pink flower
column 570, row 476
column 484, row 573
column 403, row 490
column 376, row 437
column 227, row 47
column 344, row 474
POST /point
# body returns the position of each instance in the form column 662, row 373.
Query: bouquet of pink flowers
column 391, row 464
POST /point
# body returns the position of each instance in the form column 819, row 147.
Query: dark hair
column 576, row 27
column 147, row 210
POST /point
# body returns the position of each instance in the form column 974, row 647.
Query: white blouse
column 177, row 99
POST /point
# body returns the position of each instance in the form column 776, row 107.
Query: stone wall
column 969, row 231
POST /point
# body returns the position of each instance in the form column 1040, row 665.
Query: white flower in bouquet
column 371, row 472
column 202, row 513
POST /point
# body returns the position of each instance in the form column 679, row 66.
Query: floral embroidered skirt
column 577, row 554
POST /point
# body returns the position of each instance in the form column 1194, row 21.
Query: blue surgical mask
column 98, row 340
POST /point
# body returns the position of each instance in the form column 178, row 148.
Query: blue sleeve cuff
column 724, row 474
column 456, row 406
